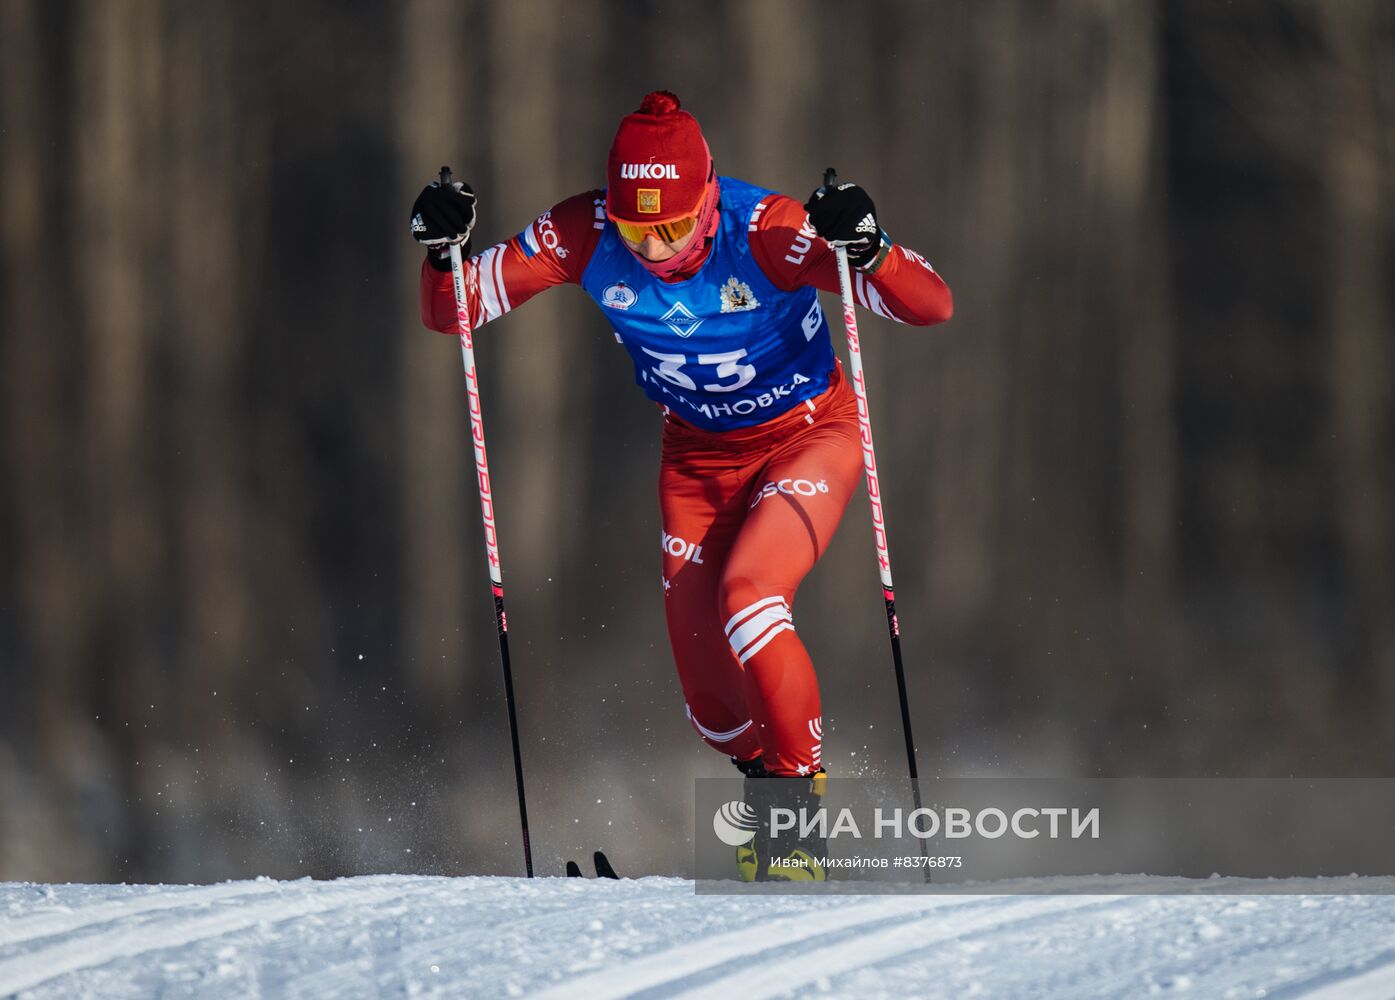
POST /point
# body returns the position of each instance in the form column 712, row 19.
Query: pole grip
column 830, row 178
column 445, row 177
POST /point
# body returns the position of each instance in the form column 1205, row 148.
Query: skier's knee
column 753, row 620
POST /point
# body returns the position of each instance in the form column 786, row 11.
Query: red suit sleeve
column 553, row 250
column 905, row 288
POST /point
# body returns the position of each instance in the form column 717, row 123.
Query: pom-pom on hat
column 659, row 163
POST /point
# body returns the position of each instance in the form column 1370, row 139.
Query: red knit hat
column 659, row 163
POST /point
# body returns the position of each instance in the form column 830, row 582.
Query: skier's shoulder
column 568, row 228
column 779, row 212
column 780, row 236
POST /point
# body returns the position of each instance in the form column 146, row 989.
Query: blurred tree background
column 1139, row 489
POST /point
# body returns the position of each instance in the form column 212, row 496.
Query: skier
column 709, row 283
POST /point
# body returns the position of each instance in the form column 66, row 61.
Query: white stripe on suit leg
column 761, row 643
column 712, row 734
column 750, row 630
column 751, row 609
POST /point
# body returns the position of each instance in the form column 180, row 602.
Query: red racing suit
column 746, row 512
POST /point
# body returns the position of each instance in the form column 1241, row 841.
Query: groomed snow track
column 653, row 937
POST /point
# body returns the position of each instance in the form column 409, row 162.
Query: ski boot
column 786, row 856
column 749, row 854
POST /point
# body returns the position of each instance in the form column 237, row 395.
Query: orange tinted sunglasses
column 667, row 232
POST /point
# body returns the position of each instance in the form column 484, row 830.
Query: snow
column 655, row 937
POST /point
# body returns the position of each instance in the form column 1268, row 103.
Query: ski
column 603, row 866
column 604, row 869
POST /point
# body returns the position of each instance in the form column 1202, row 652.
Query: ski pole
column 491, row 535
column 874, row 494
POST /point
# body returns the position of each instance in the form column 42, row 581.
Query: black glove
column 845, row 216
column 442, row 216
